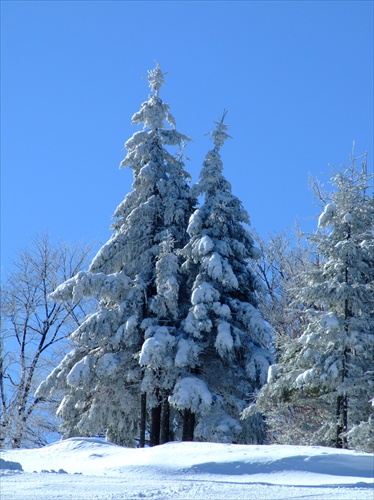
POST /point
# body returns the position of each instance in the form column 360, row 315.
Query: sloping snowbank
column 96, row 469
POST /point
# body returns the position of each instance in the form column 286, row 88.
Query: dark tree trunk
column 154, row 438
column 342, row 400
column 143, row 419
column 165, row 422
column 191, row 427
column 188, row 425
column 342, row 421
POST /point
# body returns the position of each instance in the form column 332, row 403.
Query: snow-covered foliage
column 361, row 436
column 231, row 355
column 127, row 346
column 112, row 287
column 328, row 371
column 155, row 349
column 192, row 393
column 327, row 215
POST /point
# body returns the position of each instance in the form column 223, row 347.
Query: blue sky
column 295, row 76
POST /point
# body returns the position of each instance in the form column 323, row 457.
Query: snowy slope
column 93, row 469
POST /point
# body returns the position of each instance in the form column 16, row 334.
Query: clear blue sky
column 295, row 76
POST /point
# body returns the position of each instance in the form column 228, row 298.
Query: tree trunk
column 143, row 419
column 342, row 400
column 188, row 425
column 165, row 422
column 154, row 438
column 341, row 421
column 4, row 410
column 20, row 425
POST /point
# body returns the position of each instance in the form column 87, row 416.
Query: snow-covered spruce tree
column 224, row 351
column 329, row 369
column 121, row 370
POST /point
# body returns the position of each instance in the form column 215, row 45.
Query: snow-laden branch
column 85, row 284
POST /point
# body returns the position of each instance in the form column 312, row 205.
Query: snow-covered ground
column 89, row 468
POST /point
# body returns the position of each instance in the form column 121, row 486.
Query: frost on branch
column 112, row 287
column 56, row 380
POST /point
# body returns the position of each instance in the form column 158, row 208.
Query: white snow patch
column 327, row 215
column 273, row 372
column 224, row 341
column 193, row 393
column 80, row 371
column 204, row 293
column 186, row 353
column 214, row 268
column 348, row 218
column 329, row 321
column 203, row 246
column 155, row 349
column 107, row 365
column 304, row 378
column 195, row 224
column 222, row 310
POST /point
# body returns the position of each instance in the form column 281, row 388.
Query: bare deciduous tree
column 34, row 336
column 283, row 261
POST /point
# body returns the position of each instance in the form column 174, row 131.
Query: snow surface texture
column 90, row 468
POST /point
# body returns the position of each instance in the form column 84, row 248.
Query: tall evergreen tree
column 328, row 370
column 120, row 368
column 224, row 351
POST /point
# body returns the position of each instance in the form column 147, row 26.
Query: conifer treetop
column 219, row 134
column 156, row 79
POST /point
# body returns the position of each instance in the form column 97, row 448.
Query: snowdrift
column 83, row 468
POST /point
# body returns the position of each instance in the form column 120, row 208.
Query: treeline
column 198, row 328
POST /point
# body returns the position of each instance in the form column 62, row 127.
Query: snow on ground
column 90, row 468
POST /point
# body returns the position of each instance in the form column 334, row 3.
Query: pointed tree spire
column 219, row 134
column 156, row 79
